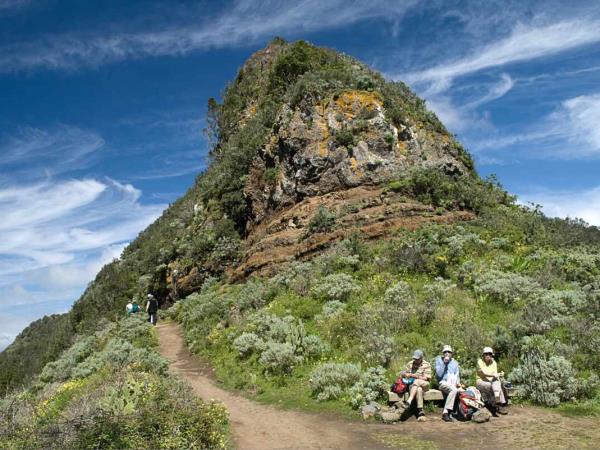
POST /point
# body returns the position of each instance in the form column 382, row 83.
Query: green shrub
column 506, row 287
column 338, row 286
column 344, row 138
column 330, row 380
column 377, row 348
column 279, row 358
column 322, row 222
column 372, row 386
column 400, row 296
column 543, row 377
column 248, row 343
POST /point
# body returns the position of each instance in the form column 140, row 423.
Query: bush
column 400, row 296
column 331, row 309
column 377, row 348
column 505, row 287
column 323, row 221
column 549, row 309
column 372, row 386
column 248, row 343
column 542, row 377
column 278, row 358
column 344, row 138
column 329, row 381
column 338, row 286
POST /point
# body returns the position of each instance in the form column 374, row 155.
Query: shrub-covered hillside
column 312, row 150
column 293, row 109
column 333, row 332
column 110, row 390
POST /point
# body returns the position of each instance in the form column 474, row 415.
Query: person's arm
column 439, row 367
column 456, row 371
column 426, row 373
column 485, row 371
column 147, row 305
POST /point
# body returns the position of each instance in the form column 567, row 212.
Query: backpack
column 135, row 308
column 153, row 305
column 400, row 386
column 468, row 404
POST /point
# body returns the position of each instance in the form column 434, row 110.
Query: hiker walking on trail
column 489, row 383
column 418, row 372
column 447, row 373
column 152, row 309
column 132, row 307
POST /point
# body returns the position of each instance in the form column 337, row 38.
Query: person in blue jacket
column 447, row 373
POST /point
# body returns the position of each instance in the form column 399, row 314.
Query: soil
column 264, row 427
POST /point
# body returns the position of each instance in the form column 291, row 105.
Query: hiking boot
column 446, row 417
column 421, row 416
column 502, row 410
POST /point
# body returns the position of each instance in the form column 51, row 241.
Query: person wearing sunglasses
column 447, row 373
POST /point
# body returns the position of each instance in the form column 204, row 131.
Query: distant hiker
column 418, row 374
column 489, row 383
column 152, row 309
column 447, row 373
column 132, row 307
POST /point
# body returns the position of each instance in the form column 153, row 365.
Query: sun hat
column 417, row 354
column 487, row 350
column 447, row 348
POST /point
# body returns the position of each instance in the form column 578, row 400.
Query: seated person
column 489, row 384
column 418, row 372
column 447, row 373
column 132, row 307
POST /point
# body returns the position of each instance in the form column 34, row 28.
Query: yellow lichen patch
column 354, row 166
column 322, row 126
column 402, row 147
column 351, row 102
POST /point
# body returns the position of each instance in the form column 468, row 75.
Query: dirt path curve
column 257, row 426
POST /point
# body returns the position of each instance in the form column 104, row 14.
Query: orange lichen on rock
column 351, row 102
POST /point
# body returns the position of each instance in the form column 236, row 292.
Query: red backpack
column 399, row 387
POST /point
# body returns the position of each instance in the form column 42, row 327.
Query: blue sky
column 102, row 107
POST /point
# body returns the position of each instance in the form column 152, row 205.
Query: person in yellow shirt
column 489, row 383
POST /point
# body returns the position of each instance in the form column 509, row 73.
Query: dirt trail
column 263, row 427
column 257, row 426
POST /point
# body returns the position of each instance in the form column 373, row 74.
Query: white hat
column 447, row 348
column 487, row 350
column 150, row 296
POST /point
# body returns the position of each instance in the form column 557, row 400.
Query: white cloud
column 571, row 131
column 35, row 152
column 525, row 43
column 246, row 23
column 51, row 222
column 583, row 204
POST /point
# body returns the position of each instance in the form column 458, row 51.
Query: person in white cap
column 488, row 382
column 447, row 373
column 418, row 372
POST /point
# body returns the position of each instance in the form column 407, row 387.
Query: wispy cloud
column 569, row 132
column 524, row 43
column 36, row 152
column 245, row 23
column 582, row 204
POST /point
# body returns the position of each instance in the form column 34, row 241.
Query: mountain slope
column 313, row 150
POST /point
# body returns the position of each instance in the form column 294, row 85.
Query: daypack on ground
column 468, row 404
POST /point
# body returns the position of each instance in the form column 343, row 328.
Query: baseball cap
column 417, row 354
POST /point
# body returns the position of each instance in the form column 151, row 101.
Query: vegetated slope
column 314, row 150
column 299, row 127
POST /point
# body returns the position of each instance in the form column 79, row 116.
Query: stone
column 432, row 395
column 368, row 411
column 393, row 397
column 390, row 416
column 481, row 415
